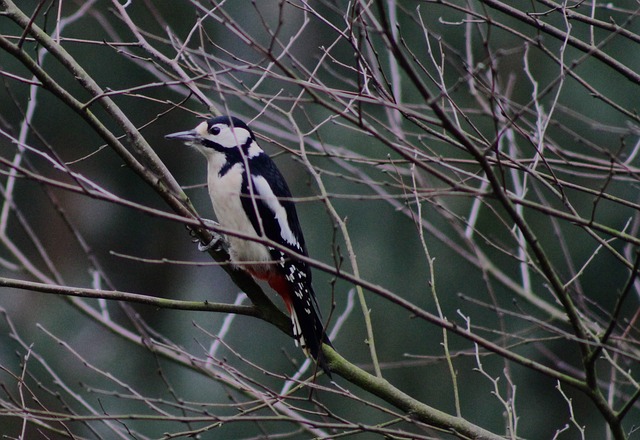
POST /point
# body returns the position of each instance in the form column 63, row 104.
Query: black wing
column 270, row 226
column 296, row 272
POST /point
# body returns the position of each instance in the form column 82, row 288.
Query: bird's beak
column 186, row 136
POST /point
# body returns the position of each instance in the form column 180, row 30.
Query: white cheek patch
column 254, row 150
column 228, row 138
column 267, row 196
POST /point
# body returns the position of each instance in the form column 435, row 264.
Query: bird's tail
column 308, row 327
column 309, row 331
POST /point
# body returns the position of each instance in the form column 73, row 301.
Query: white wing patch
column 269, row 198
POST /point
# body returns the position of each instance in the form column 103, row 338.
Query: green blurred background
column 144, row 254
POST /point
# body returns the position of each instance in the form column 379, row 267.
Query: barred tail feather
column 298, row 337
column 307, row 326
column 309, row 333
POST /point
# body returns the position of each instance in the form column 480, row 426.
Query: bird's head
column 222, row 134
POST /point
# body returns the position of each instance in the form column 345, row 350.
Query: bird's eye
column 215, row 130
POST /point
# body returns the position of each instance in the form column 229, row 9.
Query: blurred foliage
column 331, row 101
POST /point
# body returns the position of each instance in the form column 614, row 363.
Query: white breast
column 225, row 197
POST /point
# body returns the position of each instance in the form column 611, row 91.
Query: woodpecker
column 250, row 196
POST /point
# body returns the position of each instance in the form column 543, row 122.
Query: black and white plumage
column 250, row 196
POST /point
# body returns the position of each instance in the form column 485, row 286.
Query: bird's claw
column 213, row 244
column 217, row 243
column 192, row 233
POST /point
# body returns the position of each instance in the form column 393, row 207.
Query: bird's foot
column 215, row 244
